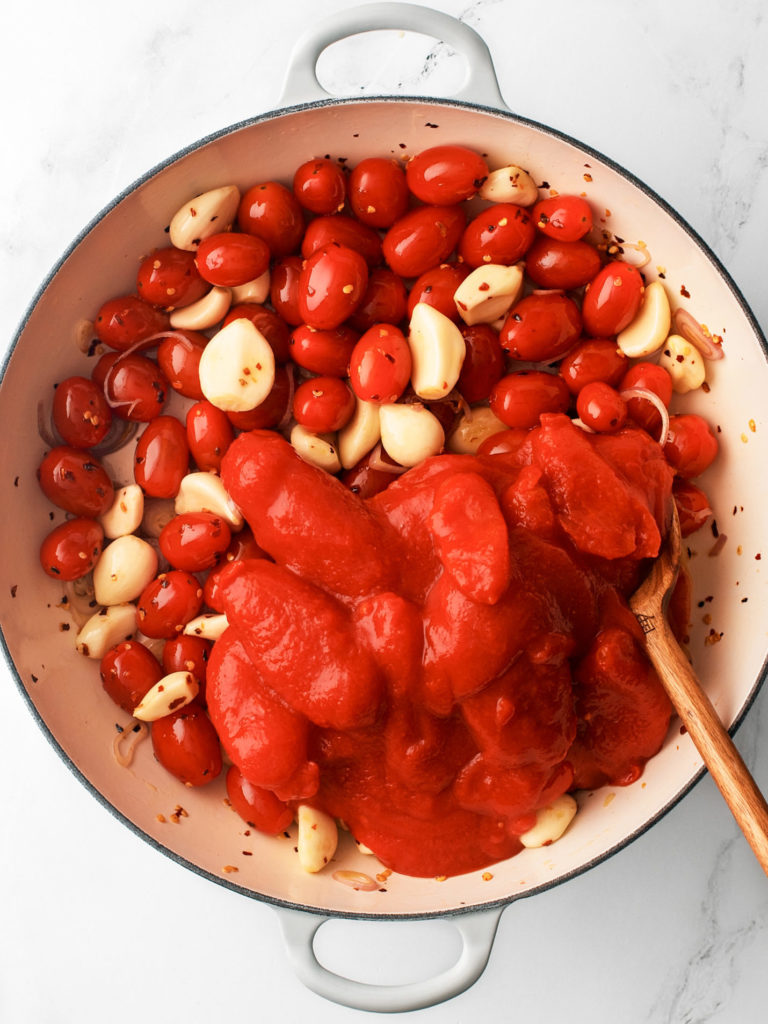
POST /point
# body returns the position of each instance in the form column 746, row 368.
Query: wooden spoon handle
column 711, row 739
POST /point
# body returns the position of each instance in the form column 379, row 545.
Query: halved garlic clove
column 158, row 512
column 510, row 184
column 551, row 822
column 488, row 293
column 204, row 313
column 317, row 449
column 205, row 215
column 105, row 629
column 472, row 429
column 209, row 626
column 205, row 492
column 360, row 435
column 684, row 363
column 237, row 367
column 647, row 332
column 410, row 433
column 126, row 566
column 318, row 837
column 256, row 290
column 125, row 514
column 170, row 693
column 437, row 351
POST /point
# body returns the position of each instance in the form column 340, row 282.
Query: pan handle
column 480, row 85
column 476, row 928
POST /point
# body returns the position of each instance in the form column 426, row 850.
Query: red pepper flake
column 229, row 868
column 758, row 556
column 713, row 637
column 684, row 292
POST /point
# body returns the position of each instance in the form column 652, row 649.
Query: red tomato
column 342, row 230
column 693, row 506
column 505, row 442
column 128, row 672
column 168, row 603
column 231, row 258
column 80, row 412
column 258, row 807
column 483, row 364
column 242, row 546
column 103, row 365
column 324, row 352
column 284, row 289
column 566, row 218
column 380, row 365
column 332, row 284
column 691, row 445
column 161, row 459
column 274, row 407
column 368, row 477
column 272, row 326
column 188, row 654
column 76, row 481
column 436, row 287
column 127, row 320
column 551, row 263
column 136, row 388
column 612, row 299
column 272, row 212
column 169, row 278
column 194, row 541
column 209, row 434
column 385, row 301
column 323, row 404
column 72, row 549
column 178, row 356
column 444, row 175
column 541, row 327
column 591, row 360
column 378, row 193
column 423, row 238
column 520, row 398
column 601, row 408
column 501, row 234
column 651, row 377
column 185, row 743
column 320, row 186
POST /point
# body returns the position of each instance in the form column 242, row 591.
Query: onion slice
column 688, row 327
column 654, row 399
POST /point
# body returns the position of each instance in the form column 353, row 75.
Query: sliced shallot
column 685, row 324
column 654, row 399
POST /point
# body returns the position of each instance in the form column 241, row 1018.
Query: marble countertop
column 98, row 926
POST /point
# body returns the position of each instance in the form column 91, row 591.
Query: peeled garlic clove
column 647, row 332
column 105, row 629
column 472, row 429
column 510, row 184
column 317, row 839
column 551, row 822
column 410, row 433
column 126, row 566
column 256, row 290
column 317, row 449
column 126, row 513
column 360, row 435
column 437, row 352
column 204, row 313
column 684, row 363
column 205, row 492
column 170, row 693
column 158, row 512
column 488, row 293
column 237, row 367
column 209, row 626
column 205, row 215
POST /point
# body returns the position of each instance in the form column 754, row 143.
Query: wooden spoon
column 694, row 707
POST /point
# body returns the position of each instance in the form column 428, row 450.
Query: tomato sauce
column 432, row 664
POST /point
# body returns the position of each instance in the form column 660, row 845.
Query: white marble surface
column 95, row 925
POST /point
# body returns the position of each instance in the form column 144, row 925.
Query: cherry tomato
column 342, row 230
column 566, row 218
column 188, row 654
column 693, row 506
column 258, row 807
column 178, row 356
column 323, row 404
column 272, row 326
column 444, row 175
column 161, row 459
column 551, row 263
column 186, row 745
column 483, row 364
column 209, row 434
column 320, row 186
column 231, row 258
column 520, row 398
column 380, row 365
column 368, row 478
column 80, row 412
column 272, row 212
column 436, row 287
column 691, row 445
column 505, row 442
column 136, row 388
column 324, row 352
column 501, row 234
column 332, row 284
column 601, row 408
column 541, row 327
column 103, row 365
column 128, row 672
column 274, row 407
column 194, row 541
column 378, row 193
column 284, row 288
column 76, row 481
column 168, row 603
column 168, row 278
column 72, row 549
column 423, row 238
column 243, row 545
column 650, row 377
column 591, row 360
column 385, row 301
column 612, row 299
column 127, row 320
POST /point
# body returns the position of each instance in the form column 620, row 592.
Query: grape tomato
column 378, row 192
column 320, row 186
column 80, row 412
